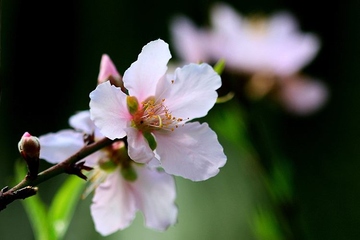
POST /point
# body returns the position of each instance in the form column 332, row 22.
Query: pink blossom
column 155, row 115
column 121, row 187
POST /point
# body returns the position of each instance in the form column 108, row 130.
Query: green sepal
column 219, row 66
column 129, row 173
column 151, row 140
column 132, row 104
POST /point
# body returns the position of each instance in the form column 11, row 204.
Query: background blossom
column 270, row 51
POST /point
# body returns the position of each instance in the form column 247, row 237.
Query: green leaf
column 266, row 225
column 279, row 182
column 64, row 204
column 36, row 210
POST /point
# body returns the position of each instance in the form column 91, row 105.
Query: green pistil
column 150, row 139
column 128, row 173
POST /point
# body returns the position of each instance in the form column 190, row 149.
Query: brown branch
column 10, row 196
column 26, row 188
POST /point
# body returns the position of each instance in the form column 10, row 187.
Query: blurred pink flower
column 260, row 44
column 155, row 115
column 266, row 49
column 189, row 41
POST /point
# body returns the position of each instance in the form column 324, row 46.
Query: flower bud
column 29, row 148
column 107, row 69
column 109, row 72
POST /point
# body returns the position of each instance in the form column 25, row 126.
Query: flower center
column 257, row 26
column 115, row 158
column 153, row 115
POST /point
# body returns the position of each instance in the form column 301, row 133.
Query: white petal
column 56, row 147
column 113, row 206
column 192, row 93
column 156, row 194
column 155, row 162
column 191, row 151
column 108, row 110
column 138, row 147
column 142, row 76
column 81, row 121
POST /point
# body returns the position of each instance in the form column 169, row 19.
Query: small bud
column 30, row 145
column 29, row 148
column 132, row 104
column 109, row 72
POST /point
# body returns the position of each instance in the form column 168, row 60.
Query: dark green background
column 50, row 55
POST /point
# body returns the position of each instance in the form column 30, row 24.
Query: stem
column 8, row 196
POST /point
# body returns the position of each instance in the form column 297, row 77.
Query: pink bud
column 108, row 71
column 29, row 148
column 29, row 145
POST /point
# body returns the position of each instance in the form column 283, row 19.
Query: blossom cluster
column 149, row 113
column 270, row 52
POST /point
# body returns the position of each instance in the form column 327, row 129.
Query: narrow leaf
column 64, row 204
column 36, row 210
